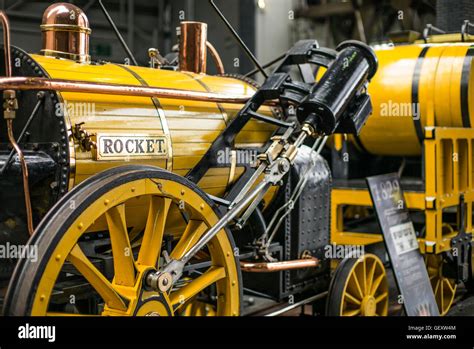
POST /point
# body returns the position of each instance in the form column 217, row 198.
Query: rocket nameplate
column 126, row 147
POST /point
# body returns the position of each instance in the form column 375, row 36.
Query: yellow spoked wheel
column 97, row 245
column 359, row 287
column 197, row 308
column 444, row 289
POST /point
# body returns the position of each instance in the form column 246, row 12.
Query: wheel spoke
column 154, row 230
column 96, row 279
column 212, row 275
column 381, row 297
column 442, row 295
column 191, row 235
column 436, row 288
column 353, row 312
column 371, row 277
column 364, row 274
column 352, row 299
column 357, row 283
column 451, row 286
column 122, row 251
column 376, row 284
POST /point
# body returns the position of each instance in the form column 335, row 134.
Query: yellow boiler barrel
column 416, row 86
column 190, row 126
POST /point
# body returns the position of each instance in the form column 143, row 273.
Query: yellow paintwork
column 129, row 273
column 192, row 126
column 390, row 130
column 449, row 173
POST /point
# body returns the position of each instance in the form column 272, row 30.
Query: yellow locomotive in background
column 421, row 127
column 162, row 190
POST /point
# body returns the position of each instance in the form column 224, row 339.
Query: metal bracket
column 461, row 248
column 465, row 29
column 429, row 29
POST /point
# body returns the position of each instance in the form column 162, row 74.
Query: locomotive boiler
column 130, row 184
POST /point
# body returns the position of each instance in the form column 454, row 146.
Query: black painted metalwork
column 304, row 232
column 23, row 132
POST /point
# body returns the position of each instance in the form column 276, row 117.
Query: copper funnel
column 193, row 47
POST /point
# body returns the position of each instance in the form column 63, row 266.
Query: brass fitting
column 83, row 137
column 10, row 104
column 309, row 130
column 291, row 152
column 156, row 59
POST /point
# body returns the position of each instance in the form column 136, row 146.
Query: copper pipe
column 24, row 171
column 264, row 267
column 41, row 84
column 6, row 43
column 216, row 58
column 192, row 47
column 9, row 109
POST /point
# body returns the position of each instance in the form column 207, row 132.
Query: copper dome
column 66, row 32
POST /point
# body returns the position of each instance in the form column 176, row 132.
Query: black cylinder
column 355, row 64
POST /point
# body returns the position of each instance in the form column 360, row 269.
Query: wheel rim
column 444, row 289
column 125, row 294
column 365, row 288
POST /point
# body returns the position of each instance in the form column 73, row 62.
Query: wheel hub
column 369, row 306
column 154, row 306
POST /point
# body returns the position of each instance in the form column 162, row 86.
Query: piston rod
column 225, row 220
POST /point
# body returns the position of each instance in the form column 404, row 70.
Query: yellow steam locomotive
column 162, row 190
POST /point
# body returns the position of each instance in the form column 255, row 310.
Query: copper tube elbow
column 216, row 57
column 24, row 172
column 6, row 43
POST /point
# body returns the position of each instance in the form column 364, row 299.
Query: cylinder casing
column 324, row 107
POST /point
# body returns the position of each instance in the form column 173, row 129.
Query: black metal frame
column 279, row 86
